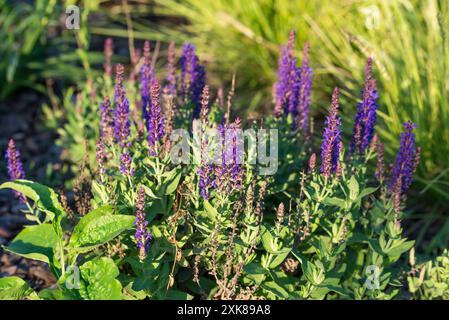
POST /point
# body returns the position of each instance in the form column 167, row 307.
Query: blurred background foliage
column 406, row 38
column 36, row 44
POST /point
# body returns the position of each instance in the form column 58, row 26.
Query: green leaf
column 98, row 280
column 36, row 242
column 172, row 181
column 313, row 271
column 399, row 247
column 335, row 202
column 177, row 295
column 269, row 242
column 99, row 191
column 366, row 191
column 15, row 288
column 255, row 272
column 210, row 210
column 45, row 198
column 279, row 258
column 354, row 189
column 275, row 289
column 98, row 227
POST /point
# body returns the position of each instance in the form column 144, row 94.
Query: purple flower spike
column 122, row 124
column 142, row 235
column 366, row 117
column 15, row 167
column 156, row 122
column 237, row 155
column 204, row 170
column 293, row 85
column 106, row 120
column 286, row 73
column 126, row 164
column 305, row 80
column 193, row 77
column 405, row 161
column 332, row 146
column 146, row 76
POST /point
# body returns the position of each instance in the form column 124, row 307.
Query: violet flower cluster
column 366, row 117
column 332, row 145
column 226, row 174
column 14, row 164
column 406, row 161
column 146, row 77
column 106, row 120
column 294, row 85
column 156, row 121
column 230, row 170
column 193, row 77
column 142, row 235
column 122, row 124
column 205, row 169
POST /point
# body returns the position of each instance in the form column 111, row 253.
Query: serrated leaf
column 45, row 198
column 15, row 288
column 37, row 242
column 98, row 280
column 98, row 227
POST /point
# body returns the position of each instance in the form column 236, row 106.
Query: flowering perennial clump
column 220, row 229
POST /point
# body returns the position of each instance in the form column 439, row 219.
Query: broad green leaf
column 335, row 202
column 366, row 191
column 15, row 288
column 99, row 191
column 275, row 289
column 98, row 280
column 37, row 242
column 279, row 258
column 255, row 272
column 212, row 213
column 98, row 227
column 399, row 247
column 45, row 198
column 172, row 181
column 269, row 242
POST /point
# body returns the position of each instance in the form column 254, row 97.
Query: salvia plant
column 164, row 213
